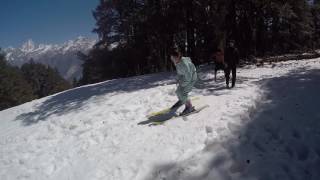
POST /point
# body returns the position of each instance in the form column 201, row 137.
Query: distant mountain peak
column 28, row 46
column 61, row 56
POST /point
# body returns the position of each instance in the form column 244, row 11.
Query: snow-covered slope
column 267, row 128
column 63, row 57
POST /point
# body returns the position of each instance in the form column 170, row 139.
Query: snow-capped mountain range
column 63, row 56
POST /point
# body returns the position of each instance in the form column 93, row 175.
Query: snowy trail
column 91, row 132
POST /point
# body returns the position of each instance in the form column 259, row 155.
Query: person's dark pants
column 227, row 72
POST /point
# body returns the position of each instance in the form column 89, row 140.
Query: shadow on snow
column 75, row 99
column 279, row 140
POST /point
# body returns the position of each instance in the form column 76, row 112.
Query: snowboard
column 167, row 110
column 163, row 118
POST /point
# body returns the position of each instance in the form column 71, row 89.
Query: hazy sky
column 45, row 21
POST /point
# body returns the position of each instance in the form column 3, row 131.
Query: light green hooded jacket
column 187, row 77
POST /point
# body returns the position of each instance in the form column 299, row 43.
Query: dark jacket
column 231, row 57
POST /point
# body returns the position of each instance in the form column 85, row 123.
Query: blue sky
column 45, row 21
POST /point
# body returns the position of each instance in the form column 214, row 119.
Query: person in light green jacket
column 187, row 77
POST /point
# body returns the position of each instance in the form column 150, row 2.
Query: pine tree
column 316, row 23
column 43, row 79
column 14, row 89
column 145, row 31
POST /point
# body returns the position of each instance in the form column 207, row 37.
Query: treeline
column 136, row 35
column 31, row 81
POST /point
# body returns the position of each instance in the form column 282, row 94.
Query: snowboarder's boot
column 233, row 82
column 187, row 110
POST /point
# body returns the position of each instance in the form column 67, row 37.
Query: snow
column 266, row 128
column 28, row 46
column 113, row 45
column 61, row 56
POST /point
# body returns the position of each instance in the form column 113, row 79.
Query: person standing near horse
column 231, row 59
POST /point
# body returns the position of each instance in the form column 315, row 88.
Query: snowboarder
column 231, row 58
column 218, row 58
column 187, row 77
